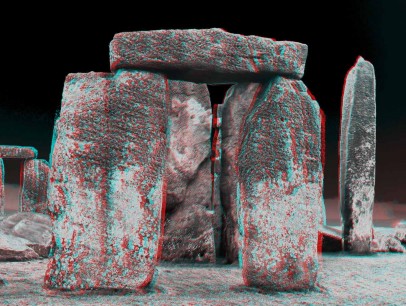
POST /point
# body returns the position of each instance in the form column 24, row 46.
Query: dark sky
column 39, row 49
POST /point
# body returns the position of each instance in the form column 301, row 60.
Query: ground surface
column 351, row 280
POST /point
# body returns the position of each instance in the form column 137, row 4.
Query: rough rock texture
column 400, row 231
column 280, row 187
column 357, row 156
column 35, row 184
column 18, row 152
column 236, row 104
column 216, row 174
column 332, row 239
column 24, row 234
column 386, row 243
column 2, row 183
column 207, row 56
column 189, row 213
column 106, row 180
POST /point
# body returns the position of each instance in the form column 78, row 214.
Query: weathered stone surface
column 216, row 175
column 208, row 55
column 18, row 152
column 35, row 184
column 400, row 231
column 2, row 183
column 332, row 239
column 386, row 243
column 280, row 187
column 357, row 156
column 189, row 213
column 15, row 249
column 106, row 180
column 236, row 104
column 31, row 229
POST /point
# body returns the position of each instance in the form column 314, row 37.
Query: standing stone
column 18, row 152
column 357, row 156
column 106, row 180
column 280, row 187
column 216, row 174
column 189, row 213
column 35, row 184
column 208, row 55
column 2, row 194
column 236, row 104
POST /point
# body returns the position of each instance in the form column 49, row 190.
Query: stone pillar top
column 18, row 152
column 207, row 55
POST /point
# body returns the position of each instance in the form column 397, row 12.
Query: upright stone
column 280, row 187
column 2, row 194
column 35, row 184
column 18, row 152
column 189, row 213
column 216, row 175
column 106, row 180
column 236, row 104
column 357, row 156
column 207, row 56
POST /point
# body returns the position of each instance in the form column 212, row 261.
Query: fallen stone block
column 236, row 104
column 208, row 55
column 35, row 184
column 386, row 243
column 280, row 187
column 189, row 217
column 357, row 156
column 400, row 231
column 106, row 181
column 332, row 240
column 18, row 152
column 15, row 249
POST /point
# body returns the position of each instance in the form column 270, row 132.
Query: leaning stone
column 189, row 218
column 208, row 55
column 2, row 194
column 15, row 249
column 357, row 156
column 280, row 187
column 236, row 104
column 35, row 183
column 18, row 152
column 106, row 181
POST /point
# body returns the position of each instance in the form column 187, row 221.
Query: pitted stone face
column 280, row 187
column 357, row 156
column 207, row 56
column 35, row 184
column 106, row 182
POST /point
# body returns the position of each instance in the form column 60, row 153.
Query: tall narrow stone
column 106, row 182
column 216, row 174
column 35, row 183
column 189, row 213
column 207, row 55
column 357, row 156
column 280, row 187
column 236, row 104
column 2, row 194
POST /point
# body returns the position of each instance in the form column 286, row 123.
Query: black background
column 42, row 44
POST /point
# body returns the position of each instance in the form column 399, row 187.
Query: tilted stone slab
column 189, row 215
column 18, row 152
column 236, row 104
column 106, row 181
column 208, row 55
column 2, row 194
column 357, row 156
column 35, row 184
column 280, row 187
